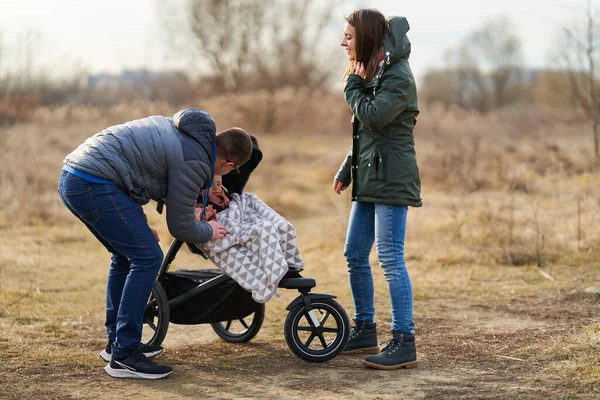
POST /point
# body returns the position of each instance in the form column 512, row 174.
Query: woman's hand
column 339, row 187
column 358, row 69
column 219, row 231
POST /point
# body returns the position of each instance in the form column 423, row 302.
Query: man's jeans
column 119, row 224
column 385, row 224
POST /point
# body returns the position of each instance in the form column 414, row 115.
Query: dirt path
column 485, row 330
column 469, row 355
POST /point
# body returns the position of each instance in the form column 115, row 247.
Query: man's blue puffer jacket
column 158, row 158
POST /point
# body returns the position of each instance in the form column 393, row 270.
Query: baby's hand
column 198, row 213
column 211, row 213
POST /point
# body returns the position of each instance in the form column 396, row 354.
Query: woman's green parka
column 382, row 165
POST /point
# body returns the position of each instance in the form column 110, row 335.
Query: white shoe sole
column 125, row 373
column 107, row 357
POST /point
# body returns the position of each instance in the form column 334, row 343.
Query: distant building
column 133, row 79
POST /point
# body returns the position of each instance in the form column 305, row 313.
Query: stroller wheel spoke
column 151, row 324
column 322, row 339
column 316, row 332
column 305, row 328
column 324, row 319
column 310, row 339
column 240, row 330
column 228, row 326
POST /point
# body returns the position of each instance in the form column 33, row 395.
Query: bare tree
column 226, row 33
column 24, row 81
column 469, row 81
column 498, row 51
column 484, row 72
column 256, row 44
column 3, row 78
column 18, row 64
column 581, row 45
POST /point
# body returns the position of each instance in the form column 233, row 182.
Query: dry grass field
column 500, row 256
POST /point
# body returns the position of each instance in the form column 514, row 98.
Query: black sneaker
column 137, row 365
column 147, row 349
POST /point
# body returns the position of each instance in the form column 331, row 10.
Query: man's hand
column 155, row 233
column 339, row 187
column 219, row 231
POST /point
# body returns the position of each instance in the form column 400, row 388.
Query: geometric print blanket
column 259, row 248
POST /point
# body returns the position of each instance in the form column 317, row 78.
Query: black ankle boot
column 363, row 338
column 399, row 352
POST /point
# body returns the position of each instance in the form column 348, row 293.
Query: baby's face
column 217, row 188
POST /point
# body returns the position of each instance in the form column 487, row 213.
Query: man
column 105, row 182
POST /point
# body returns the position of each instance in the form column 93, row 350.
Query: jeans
column 119, row 224
column 386, row 225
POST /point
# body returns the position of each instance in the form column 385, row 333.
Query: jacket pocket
column 82, row 201
column 376, row 165
column 401, row 169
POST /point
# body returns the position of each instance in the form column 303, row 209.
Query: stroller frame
column 316, row 328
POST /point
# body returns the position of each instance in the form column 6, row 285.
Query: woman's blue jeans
column 119, row 224
column 386, row 225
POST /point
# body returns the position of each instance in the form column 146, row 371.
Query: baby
column 217, row 201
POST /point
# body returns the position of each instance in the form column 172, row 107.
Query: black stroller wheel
column 156, row 317
column 243, row 329
column 322, row 343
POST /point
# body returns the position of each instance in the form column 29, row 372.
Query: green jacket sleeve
column 344, row 175
column 390, row 100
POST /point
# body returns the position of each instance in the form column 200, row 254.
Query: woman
column 382, row 165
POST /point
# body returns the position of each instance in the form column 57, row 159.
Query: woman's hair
column 370, row 26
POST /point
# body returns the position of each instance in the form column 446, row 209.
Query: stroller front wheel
column 319, row 334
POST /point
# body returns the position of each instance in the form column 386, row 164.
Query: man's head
column 234, row 148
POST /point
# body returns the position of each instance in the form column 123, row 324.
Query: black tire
column 332, row 334
column 238, row 330
column 156, row 317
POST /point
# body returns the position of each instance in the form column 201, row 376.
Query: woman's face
column 349, row 41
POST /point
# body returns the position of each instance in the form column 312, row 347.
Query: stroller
column 316, row 328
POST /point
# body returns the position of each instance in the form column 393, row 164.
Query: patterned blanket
column 259, row 249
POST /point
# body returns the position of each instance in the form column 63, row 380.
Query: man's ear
column 218, row 165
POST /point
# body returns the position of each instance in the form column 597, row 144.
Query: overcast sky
column 111, row 35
